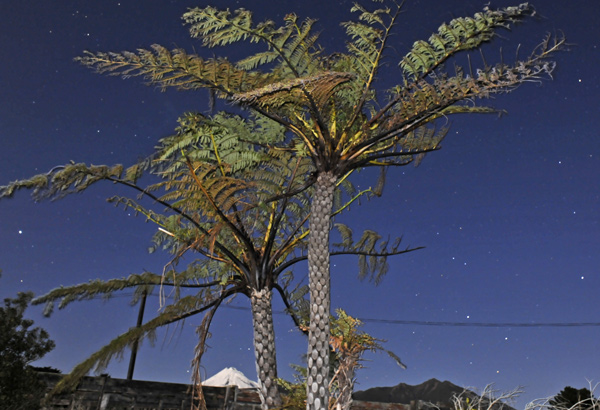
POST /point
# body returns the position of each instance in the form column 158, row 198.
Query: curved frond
column 320, row 87
column 94, row 288
column 293, row 44
column 180, row 310
column 62, row 180
column 464, row 33
column 372, row 251
column 176, row 68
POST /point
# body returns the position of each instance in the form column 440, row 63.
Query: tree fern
column 225, row 198
column 330, row 105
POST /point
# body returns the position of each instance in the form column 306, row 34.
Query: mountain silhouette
column 432, row 391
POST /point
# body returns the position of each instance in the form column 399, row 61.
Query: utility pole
column 135, row 344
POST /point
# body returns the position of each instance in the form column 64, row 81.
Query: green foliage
column 368, row 36
column 294, row 397
column 348, row 344
column 20, row 344
column 329, row 101
column 90, row 290
column 293, row 43
column 464, row 33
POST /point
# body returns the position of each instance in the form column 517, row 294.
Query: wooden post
column 135, row 344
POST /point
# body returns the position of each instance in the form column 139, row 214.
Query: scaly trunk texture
column 317, row 383
column 264, row 347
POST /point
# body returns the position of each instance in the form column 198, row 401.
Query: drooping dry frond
column 179, row 310
column 372, row 251
column 176, row 68
column 320, row 87
column 203, row 334
column 62, row 180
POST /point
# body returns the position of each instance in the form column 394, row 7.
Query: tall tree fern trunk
column 317, row 383
column 264, row 347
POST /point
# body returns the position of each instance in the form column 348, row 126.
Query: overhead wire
column 455, row 324
column 427, row 322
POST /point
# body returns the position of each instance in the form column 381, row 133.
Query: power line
column 455, row 324
column 479, row 324
column 430, row 323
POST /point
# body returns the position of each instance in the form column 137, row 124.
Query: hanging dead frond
column 320, row 87
column 62, row 180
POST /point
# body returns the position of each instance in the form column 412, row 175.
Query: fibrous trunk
column 317, row 382
column 264, row 347
column 345, row 380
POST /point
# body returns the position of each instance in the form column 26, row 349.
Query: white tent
column 230, row 376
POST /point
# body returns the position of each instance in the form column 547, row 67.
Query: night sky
column 508, row 210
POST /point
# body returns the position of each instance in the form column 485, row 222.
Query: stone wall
column 106, row 393
column 371, row 405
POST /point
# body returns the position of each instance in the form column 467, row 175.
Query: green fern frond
column 370, row 17
column 300, row 52
column 459, row 35
column 219, row 27
column 292, row 44
column 258, row 59
column 431, row 100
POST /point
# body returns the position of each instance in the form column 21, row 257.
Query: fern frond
column 220, row 27
column 371, row 250
column 92, row 289
column 293, row 91
column 175, row 68
column 460, row 34
column 258, row 59
column 62, row 180
column 183, row 308
column 291, row 43
column 346, row 234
